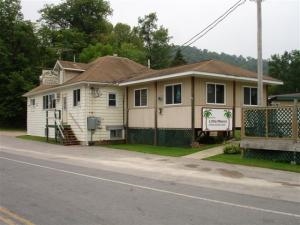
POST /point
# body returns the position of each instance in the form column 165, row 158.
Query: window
column 49, row 101
column 250, row 96
column 76, row 97
column 215, row 93
column 112, row 101
column 116, row 134
column 173, row 94
column 32, row 102
column 141, row 97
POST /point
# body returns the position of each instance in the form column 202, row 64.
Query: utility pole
column 260, row 97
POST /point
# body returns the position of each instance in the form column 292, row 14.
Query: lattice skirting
column 165, row 137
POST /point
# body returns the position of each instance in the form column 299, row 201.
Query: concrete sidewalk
column 188, row 170
column 206, row 153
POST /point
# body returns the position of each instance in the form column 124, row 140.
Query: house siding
column 168, row 115
column 109, row 115
column 36, row 118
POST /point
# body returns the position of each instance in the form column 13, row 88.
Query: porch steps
column 70, row 138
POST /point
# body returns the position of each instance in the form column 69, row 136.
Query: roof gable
column 110, row 69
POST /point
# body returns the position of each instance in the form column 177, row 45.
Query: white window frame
column 112, row 106
column 77, row 104
column 206, row 93
column 32, row 102
column 165, row 94
column 250, row 95
column 140, row 106
column 116, row 138
column 49, row 103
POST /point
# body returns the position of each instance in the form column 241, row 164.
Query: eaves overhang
column 68, row 85
column 199, row 74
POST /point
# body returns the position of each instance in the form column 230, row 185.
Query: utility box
column 92, row 123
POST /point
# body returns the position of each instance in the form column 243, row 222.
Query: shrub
column 232, row 149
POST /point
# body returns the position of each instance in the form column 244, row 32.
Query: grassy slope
column 237, row 159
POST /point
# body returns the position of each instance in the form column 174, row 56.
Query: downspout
column 234, row 108
column 124, row 125
column 127, row 116
column 155, row 113
column 87, row 109
column 193, row 108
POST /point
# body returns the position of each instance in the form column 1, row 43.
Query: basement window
column 116, row 134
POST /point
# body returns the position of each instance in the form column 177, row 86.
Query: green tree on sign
column 228, row 115
column 206, row 114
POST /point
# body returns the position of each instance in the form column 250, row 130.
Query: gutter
column 200, row 74
column 68, row 85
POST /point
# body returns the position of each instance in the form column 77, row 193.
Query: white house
column 79, row 91
column 141, row 105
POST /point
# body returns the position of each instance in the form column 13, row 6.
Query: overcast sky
column 235, row 35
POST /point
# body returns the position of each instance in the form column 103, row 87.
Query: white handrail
column 58, row 123
column 72, row 117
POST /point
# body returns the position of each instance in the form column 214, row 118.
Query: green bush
column 232, row 149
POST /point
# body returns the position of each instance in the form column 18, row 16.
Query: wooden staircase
column 70, row 138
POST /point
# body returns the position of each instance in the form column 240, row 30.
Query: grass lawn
column 237, row 159
column 160, row 150
column 37, row 138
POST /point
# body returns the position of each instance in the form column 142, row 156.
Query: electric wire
column 211, row 25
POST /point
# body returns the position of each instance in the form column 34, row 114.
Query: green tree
column 156, row 40
column 286, row 67
column 87, row 16
column 94, row 51
column 178, row 59
column 19, row 62
column 72, row 25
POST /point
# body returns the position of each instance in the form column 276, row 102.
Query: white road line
column 158, row 190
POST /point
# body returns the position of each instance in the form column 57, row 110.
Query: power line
column 212, row 24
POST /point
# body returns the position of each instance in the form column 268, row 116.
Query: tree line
column 80, row 30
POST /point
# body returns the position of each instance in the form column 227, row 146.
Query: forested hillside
column 193, row 54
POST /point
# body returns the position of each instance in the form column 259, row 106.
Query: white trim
column 205, row 74
column 165, row 94
column 66, row 86
column 141, row 106
column 111, row 106
column 243, row 91
column 209, row 103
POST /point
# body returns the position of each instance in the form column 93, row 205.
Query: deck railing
column 271, row 122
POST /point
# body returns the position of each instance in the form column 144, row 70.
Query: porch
column 272, row 131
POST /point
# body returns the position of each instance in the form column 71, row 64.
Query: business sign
column 216, row 119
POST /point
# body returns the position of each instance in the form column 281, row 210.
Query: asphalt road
column 41, row 192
